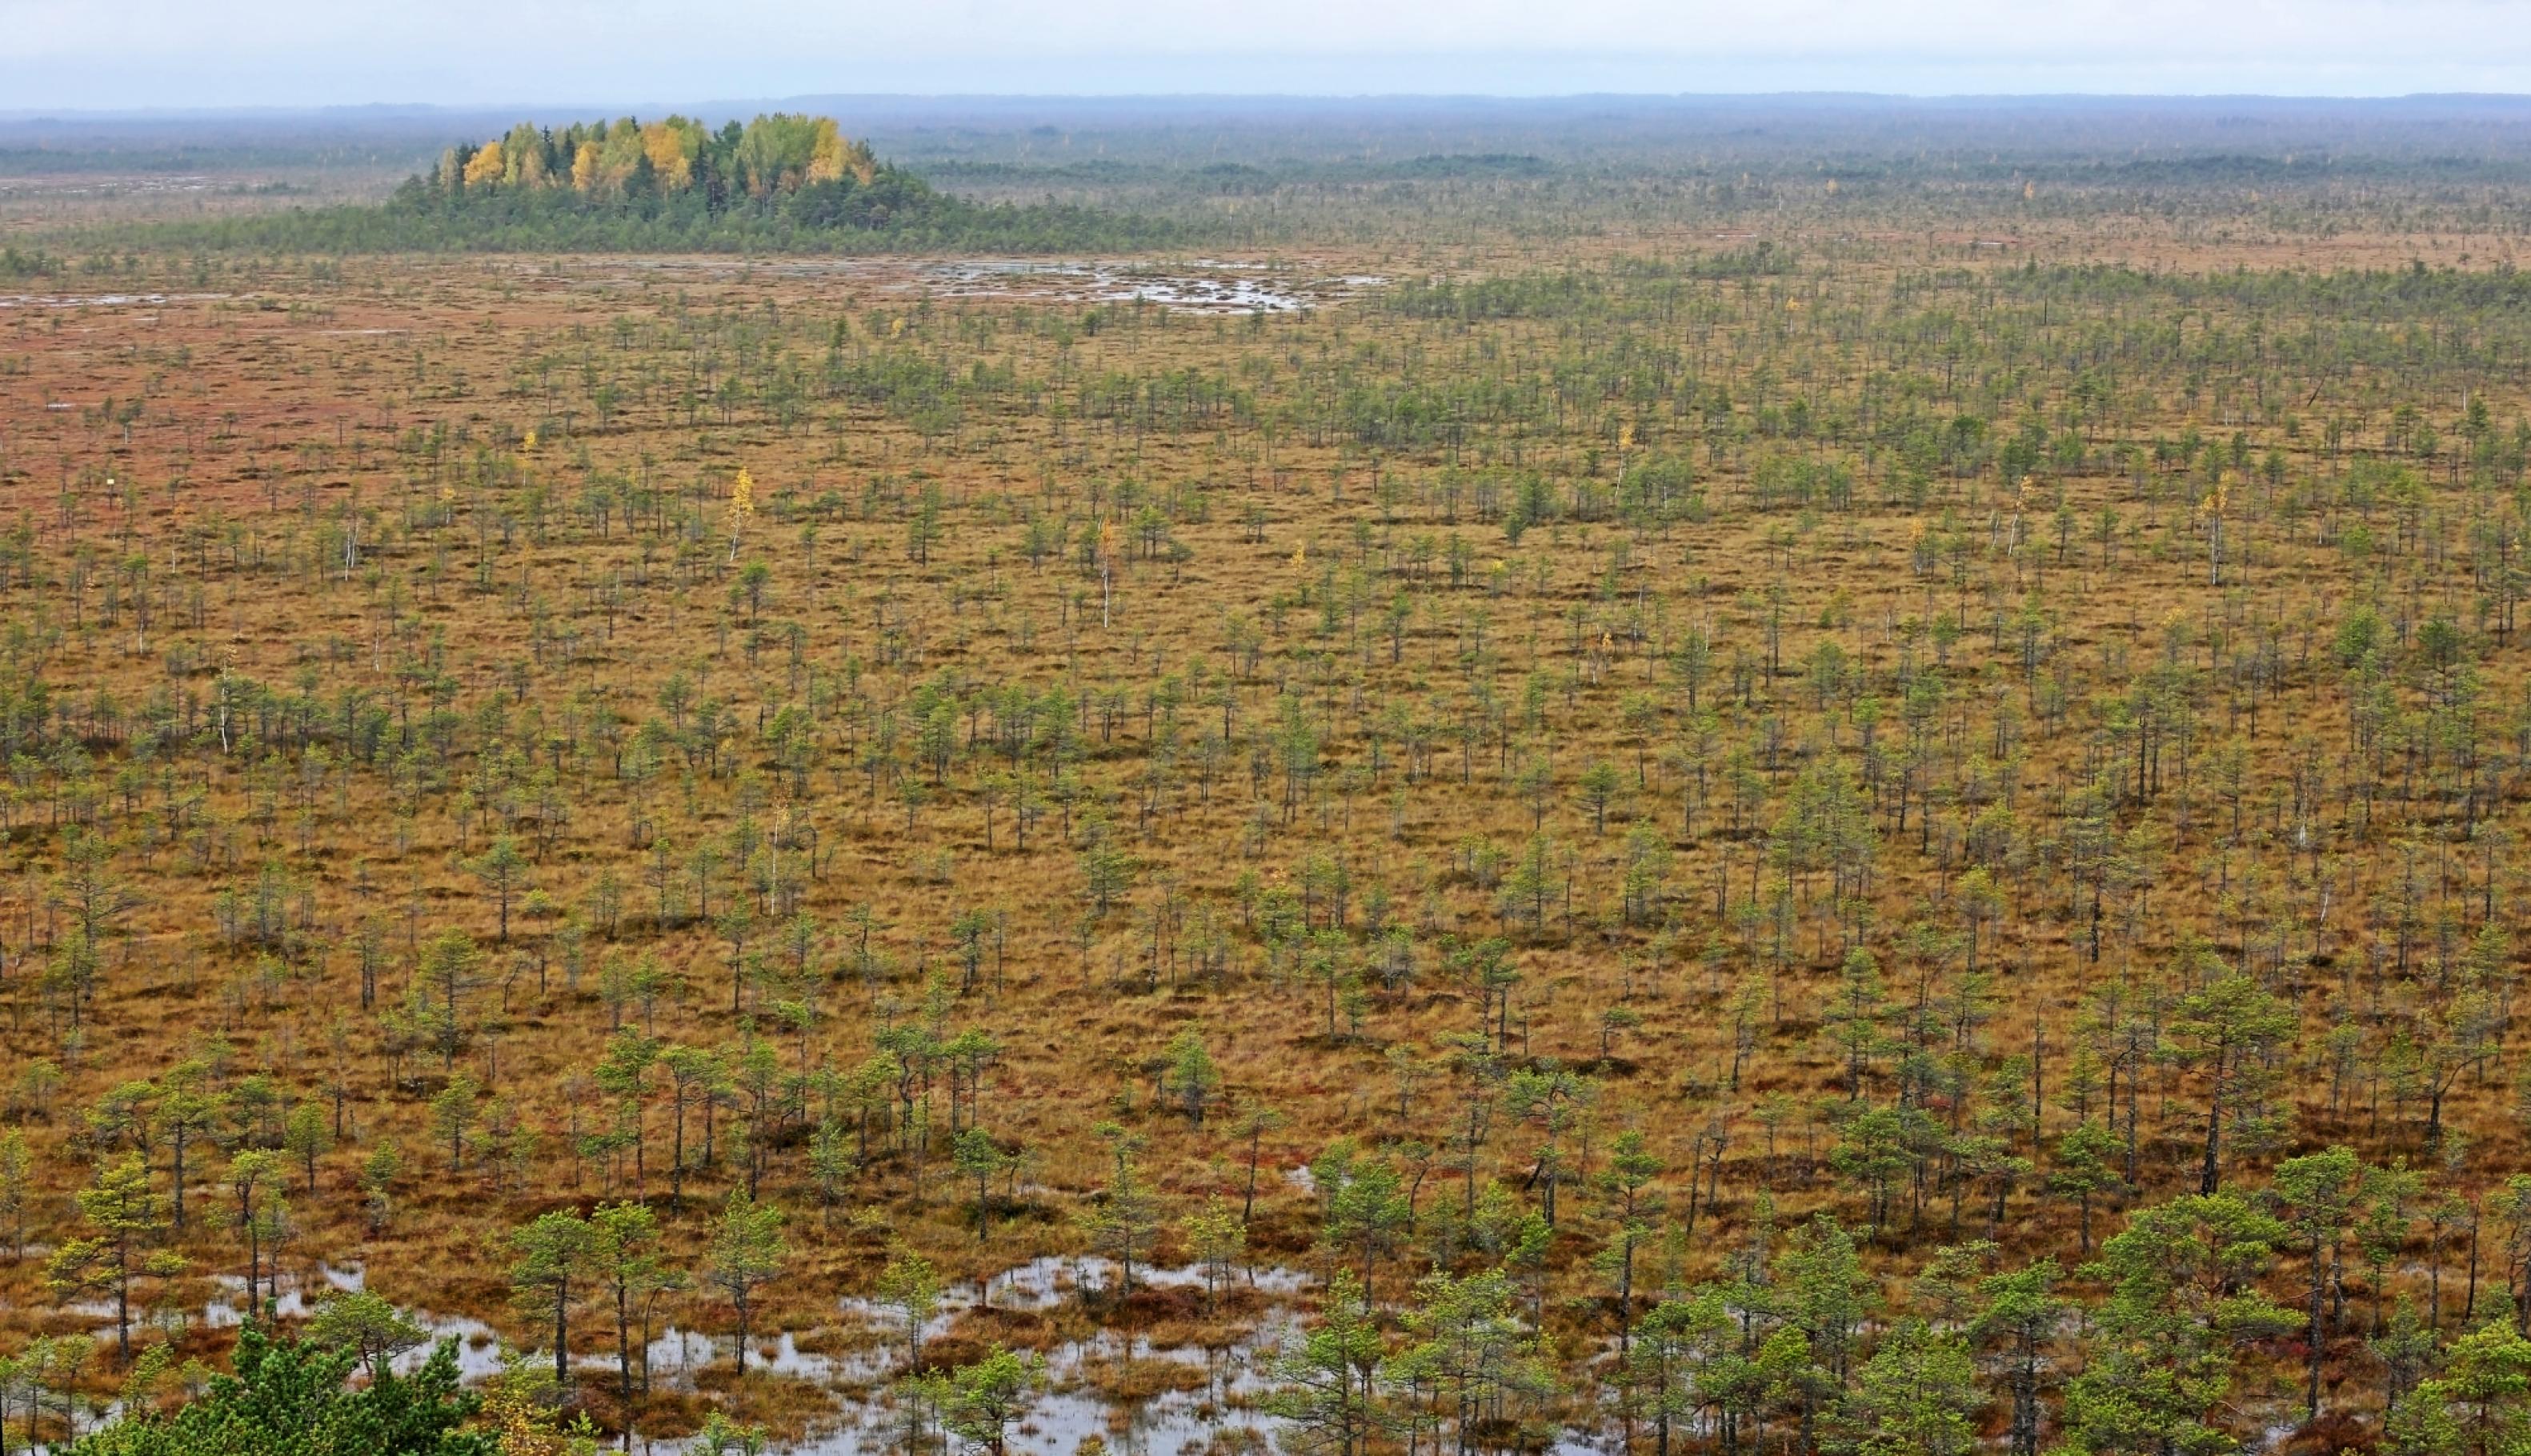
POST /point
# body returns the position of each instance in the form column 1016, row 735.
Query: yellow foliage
column 834, row 155
column 488, row 166
column 618, row 155
column 774, row 154
column 826, row 151
column 518, row 1414
column 741, row 496
column 666, row 146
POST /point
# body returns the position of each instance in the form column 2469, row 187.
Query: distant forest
column 1243, row 175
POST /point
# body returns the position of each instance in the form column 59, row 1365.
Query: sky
column 89, row 55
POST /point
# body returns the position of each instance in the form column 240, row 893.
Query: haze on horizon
column 74, row 55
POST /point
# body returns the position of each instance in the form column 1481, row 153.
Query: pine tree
column 254, row 1176
column 912, row 1287
column 2022, row 1316
column 2181, row 1303
column 2231, row 1024
column 367, row 1326
column 1218, row 1240
column 16, row 1189
column 977, row 1156
column 130, row 1217
column 2084, row 1169
column 1325, row 1386
column 1127, row 1222
column 1193, row 1080
column 1475, row 1353
column 629, row 1266
column 987, row 1396
column 1670, row 1365
column 2318, row 1194
column 503, row 872
column 554, row 1255
column 1916, row 1396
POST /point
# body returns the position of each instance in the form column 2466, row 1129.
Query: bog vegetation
column 1844, row 842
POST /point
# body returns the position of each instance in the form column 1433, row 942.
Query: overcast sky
column 111, row 54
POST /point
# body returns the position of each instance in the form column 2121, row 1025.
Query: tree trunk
column 2206, row 1177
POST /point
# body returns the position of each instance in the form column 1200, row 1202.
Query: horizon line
column 1508, row 98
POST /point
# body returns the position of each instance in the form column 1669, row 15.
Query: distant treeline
column 782, row 183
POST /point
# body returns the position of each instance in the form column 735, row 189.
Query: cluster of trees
column 1796, row 1343
column 773, row 155
column 782, row 183
column 18, row 263
column 780, row 175
column 294, row 1399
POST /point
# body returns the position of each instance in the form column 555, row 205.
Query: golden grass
column 271, row 410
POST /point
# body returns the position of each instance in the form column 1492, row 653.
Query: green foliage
column 987, row 1396
column 367, row 1326
column 129, row 1216
column 2183, row 1303
column 910, row 1286
column 747, row 1251
column 1916, row 1396
column 1324, row 1385
column 554, row 1254
column 291, row 1400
